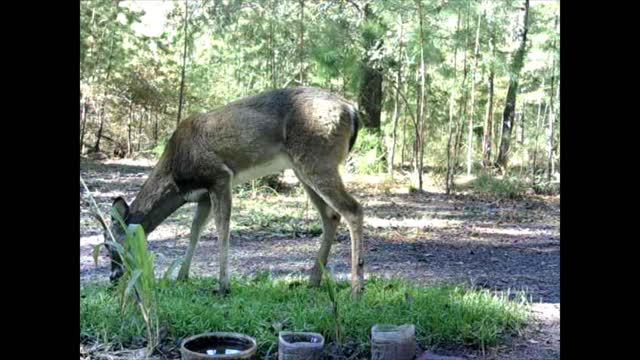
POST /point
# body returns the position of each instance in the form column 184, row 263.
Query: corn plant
column 331, row 287
column 138, row 283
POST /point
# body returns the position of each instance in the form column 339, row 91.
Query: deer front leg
column 200, row 221
column 221, row 200
column 330, row 221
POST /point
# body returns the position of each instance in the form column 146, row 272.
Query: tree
column 396, row 102
column 510, row 103
column 449, row 174
column 552, row 114
column 421, row 105
column 370, row 96
column 184, row 60
column 424, row 85
column 473, row 92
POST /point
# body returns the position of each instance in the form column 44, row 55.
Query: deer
column 306, row 129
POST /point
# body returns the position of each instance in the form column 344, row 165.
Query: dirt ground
column 428, row 237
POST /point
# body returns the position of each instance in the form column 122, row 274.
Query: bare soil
column 428, row 237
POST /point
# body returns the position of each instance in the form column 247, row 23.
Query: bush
column 509, row 187
column 367, row 155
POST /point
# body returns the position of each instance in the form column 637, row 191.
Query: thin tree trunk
column 451, row 106
column 510, row 102
column 140, row 117
column 404, row 136
column 550, row 134
column 535, row 139
column 155, row 130
column 301, row 61
column 473, row 98
column 129, row 120
column 83, row 122
column 396, row 110
column 551, row 115
column 556, row 117
column 421, row 109
column 184, row 63
column 463, row 105
column 96, row 147
column 522, row 119
column 271, row 47
column 488, row 125
column 538, row 124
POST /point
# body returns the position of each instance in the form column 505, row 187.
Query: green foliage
column 367, row 154
column 158, row 150
column 236, row 49
column 138, row 285
column 261, row 306
column 332, row 291
column 509, row 187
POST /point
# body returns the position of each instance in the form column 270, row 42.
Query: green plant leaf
column 132, row 283
column 96, row 252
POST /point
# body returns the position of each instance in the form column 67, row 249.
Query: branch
column 355, row 5
column 406, row 102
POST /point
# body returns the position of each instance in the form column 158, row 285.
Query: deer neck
column 158, row 198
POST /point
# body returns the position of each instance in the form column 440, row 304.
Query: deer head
column 121, row 207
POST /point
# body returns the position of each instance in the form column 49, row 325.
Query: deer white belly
column 273, row 166
column 195, row 195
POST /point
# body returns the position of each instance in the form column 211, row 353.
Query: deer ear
column 120, row 205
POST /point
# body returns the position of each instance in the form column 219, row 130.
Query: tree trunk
column 521, row 122
column 129, row 120
column 550, row 133
column 370, row 99
column 510, row 102
column 404, row 137
column 463, row 105
column 155, row 130
column 488, row 125
column 83, row 122
column 420, row 120
column 538, row 125
column 140, row 119
column 396, row 110
column 551, row 115
column 184, row 63
column 96, row 147
column 451, row 106
column 473, row 98
column 274, row 82
column 535, row 140
column 301, row 61
column 370, row 93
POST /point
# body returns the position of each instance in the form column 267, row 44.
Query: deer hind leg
column 330, row 221
column 200, row 221
column 326, row 182
column 221, row 201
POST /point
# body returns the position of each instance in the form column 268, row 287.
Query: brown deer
column 305, row 129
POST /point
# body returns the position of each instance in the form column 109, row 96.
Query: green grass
column 261, row 306
column 510, row 188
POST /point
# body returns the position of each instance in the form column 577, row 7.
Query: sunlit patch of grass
column 261, row 306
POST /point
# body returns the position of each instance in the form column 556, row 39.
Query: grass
column 262, row 306
column 510, row 188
